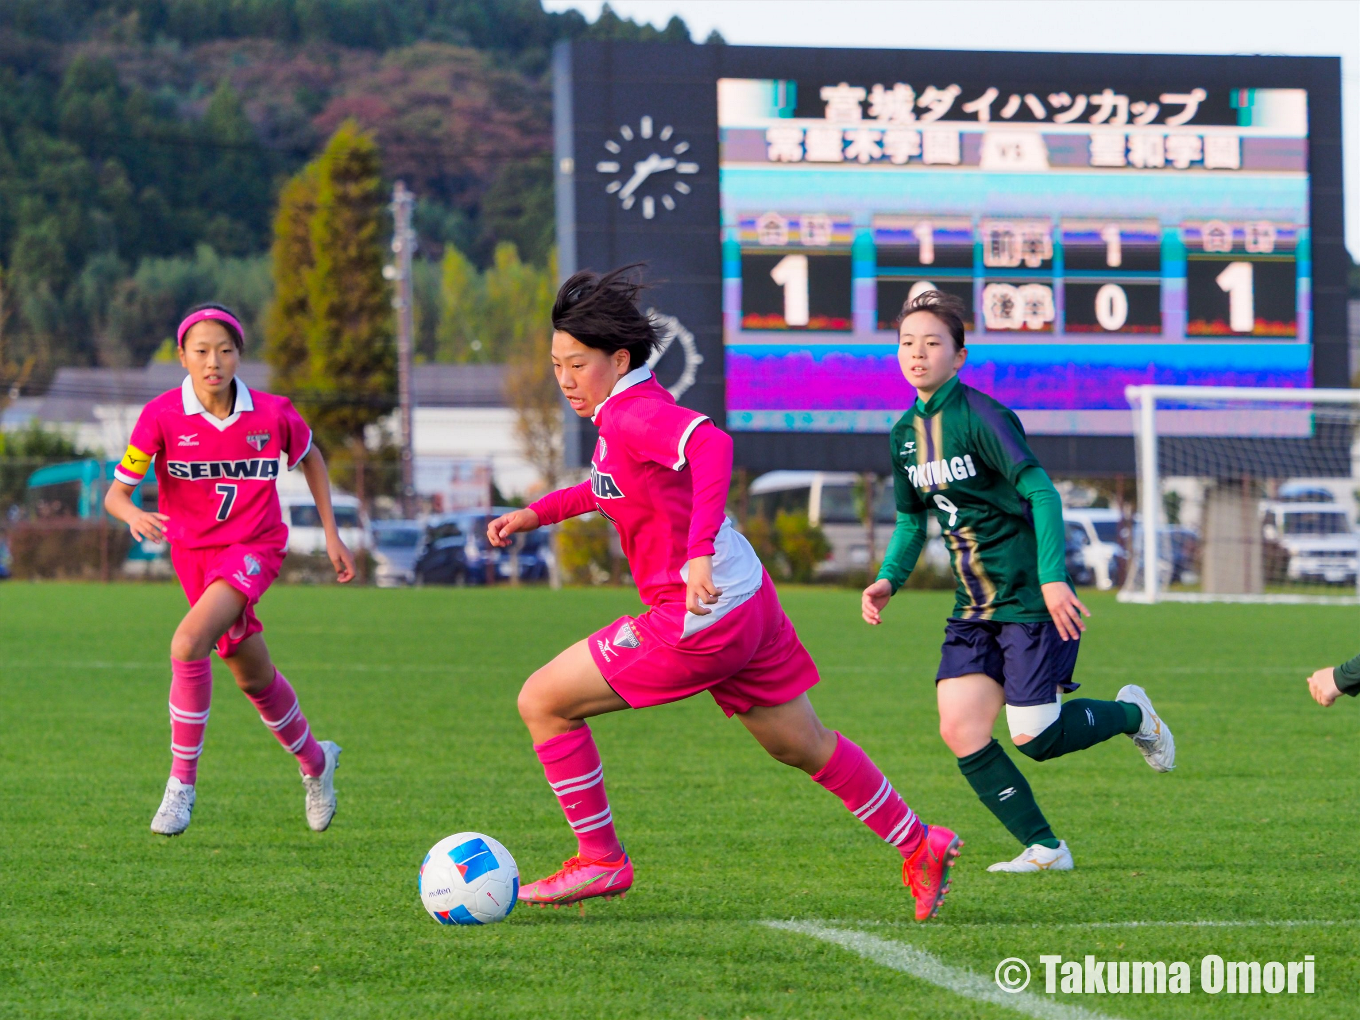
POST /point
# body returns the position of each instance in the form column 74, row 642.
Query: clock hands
column 644, row 169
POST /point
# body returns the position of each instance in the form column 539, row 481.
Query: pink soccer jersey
column 638, row 481
column 217, row 477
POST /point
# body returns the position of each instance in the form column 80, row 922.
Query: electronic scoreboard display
column 1106, row 220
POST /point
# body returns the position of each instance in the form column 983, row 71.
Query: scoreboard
column 1106, row 220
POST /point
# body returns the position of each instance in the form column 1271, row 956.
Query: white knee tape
column 1031, row 720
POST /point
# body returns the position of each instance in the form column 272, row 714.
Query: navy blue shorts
column 1029, row 660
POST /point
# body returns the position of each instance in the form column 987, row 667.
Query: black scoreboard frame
column 598, row 86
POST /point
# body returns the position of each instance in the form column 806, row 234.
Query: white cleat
column 1153, row 738
column 172, row 817
column 1038, row 858
column 321, row 789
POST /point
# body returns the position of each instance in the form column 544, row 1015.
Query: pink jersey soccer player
column 216, row 447
column 661, row 473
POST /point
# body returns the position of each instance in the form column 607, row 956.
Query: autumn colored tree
column 330, row 337
column 530, row 385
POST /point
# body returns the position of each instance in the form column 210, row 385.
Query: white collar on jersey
column 628, row 381
column 192, row 405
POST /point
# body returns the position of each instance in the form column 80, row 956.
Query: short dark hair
column 602, row 312
column 237, row 336
column 945, row 307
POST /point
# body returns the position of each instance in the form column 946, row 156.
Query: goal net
column 1253, row 494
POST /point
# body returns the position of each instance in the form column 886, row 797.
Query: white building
column 460, row 416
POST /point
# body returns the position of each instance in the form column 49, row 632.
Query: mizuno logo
column 606, row 650
column 603, row 485
column 1006, row 794
column 189, row 439
column 241, row 578
column 1090, row 718
column 193, row 470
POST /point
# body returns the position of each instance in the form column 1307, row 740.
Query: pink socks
column 855, row 779
column 190, row 697
column 572, row 765
column 280, row 711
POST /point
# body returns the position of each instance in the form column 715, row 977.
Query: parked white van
column 305, row 534
column 1320, row 541
column 828, row 499
column 1095, row 530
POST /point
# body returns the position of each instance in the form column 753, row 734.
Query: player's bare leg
column 969, row 706
column 792, row 733
column 555, row 703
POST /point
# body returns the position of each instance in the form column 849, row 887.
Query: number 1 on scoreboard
column 1236, row 281
column 791, row 273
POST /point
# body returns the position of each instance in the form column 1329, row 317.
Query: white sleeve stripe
column 304, row 452
column 126, row 477
column 684, row 439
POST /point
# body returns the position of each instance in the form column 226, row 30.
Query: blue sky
column 1296, row 27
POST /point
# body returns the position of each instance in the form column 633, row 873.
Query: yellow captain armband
column 134, row 463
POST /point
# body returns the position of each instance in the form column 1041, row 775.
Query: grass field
column 250, row 914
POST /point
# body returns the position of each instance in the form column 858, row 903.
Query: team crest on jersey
column 252, row 565
column 626, row 636
column 603, row 485
column 257, row 440
column 603, row 448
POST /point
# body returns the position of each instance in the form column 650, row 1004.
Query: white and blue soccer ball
column 469, row 878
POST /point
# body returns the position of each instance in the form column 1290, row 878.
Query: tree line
column 144, row 146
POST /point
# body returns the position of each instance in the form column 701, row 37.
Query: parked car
column 828, row 500
column 5, row 559
column 394, row 552
column 1318, row 538
column 305, row 534
column 1178, row 552
column 454, row 550
column 1102, row 555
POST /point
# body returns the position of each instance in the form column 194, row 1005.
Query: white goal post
column 1253, row 492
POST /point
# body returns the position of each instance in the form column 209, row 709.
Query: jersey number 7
column 228, row 493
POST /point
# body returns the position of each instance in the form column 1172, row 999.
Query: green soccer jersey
column 960, row 457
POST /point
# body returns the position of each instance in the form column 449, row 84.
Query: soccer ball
column 469, row 878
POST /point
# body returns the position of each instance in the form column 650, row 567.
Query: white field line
column 909, row 960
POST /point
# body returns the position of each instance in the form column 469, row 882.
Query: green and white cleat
column 1038, row 858
column 1153, row 738
column 177, row 807
column 321, row 789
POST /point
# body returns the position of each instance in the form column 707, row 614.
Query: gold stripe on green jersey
column 963, row 544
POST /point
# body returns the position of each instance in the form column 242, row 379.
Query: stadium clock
column 647, row 166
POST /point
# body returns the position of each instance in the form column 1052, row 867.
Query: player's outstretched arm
column 498, row 532
column 873, row 600
column 145, row 525
column 314, row 470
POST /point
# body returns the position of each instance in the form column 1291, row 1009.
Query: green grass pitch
column 250, row 914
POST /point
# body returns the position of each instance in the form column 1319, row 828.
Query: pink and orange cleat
column 580, row 879
column 926, row 872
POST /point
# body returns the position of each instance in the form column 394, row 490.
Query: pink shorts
column 751, row 657
column 250, row 569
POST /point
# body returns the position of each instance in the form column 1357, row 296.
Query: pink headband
column 216, row 314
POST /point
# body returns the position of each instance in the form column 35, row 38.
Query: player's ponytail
column 602, row 312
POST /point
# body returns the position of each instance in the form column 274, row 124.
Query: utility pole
column 403, row 247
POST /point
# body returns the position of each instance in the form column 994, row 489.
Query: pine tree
column 286, row 322
column 331, row 341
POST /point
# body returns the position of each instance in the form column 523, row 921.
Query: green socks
column 1006, row 794
column 1083, row 723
